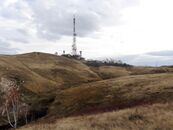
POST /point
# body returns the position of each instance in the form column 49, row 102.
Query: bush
column 107, row 62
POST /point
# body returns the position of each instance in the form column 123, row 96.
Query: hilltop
column 45, row 72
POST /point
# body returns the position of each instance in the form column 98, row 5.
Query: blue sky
column 112, row 28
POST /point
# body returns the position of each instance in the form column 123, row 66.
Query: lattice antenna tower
column 74, row 46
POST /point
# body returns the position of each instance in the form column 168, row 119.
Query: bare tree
column 12, row 105
column 12, row 102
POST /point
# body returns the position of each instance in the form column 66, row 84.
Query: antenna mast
column 74, row 46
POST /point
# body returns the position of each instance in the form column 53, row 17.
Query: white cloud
column 158, row 58
column 104, row 28
column 148, row 26
column 38, row 22
column 5, row 48
column 53, row 18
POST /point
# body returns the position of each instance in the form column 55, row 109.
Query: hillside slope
column 113, row 94
column 57, row 87
column 43, row 72
column 41, row 75
column 154, row 117
column 125, row 103
column 107, row 72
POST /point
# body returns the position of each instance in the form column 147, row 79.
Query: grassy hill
column 43, row 72
column 40, row 75
column 125, row 103
column 108, row 97
column 107, row 72
column 113, row 94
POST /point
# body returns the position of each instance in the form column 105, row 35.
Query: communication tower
column 74, row 46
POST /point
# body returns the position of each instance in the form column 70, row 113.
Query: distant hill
column 157, row 58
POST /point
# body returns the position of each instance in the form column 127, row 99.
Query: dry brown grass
column 113, row 94
column 107, row 72
column 45, row 72
column 149, row 70
column 41, row 75
column 154, row 117
column 128, row 88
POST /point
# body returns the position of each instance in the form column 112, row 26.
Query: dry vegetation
column 154, row 117
column 108, row 97
column 41, row 74
column 45, row 72
column 113, row 94
column 149, row 70
column 107, row 72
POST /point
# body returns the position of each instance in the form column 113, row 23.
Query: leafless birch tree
column 12, row 102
